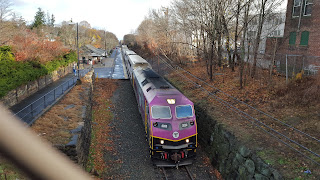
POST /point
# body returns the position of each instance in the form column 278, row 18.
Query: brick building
column 302, row 28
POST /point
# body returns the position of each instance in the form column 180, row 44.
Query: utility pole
column 105, row 44
column 78, row 51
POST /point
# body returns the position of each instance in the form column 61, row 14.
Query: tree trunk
column 211, row 60
column 245, row 27
column 236, row 36
column 257, row 41
column 226, row 32
column 273, row 58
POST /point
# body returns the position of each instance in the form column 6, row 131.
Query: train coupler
column 176, row 157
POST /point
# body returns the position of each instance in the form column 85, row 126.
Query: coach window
column 184, row 111
column 161, row 112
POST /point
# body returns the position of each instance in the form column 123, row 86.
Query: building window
column 275, row 33
column 308, row 7
column 304, row 38
column 292, row 39
column 296, row 8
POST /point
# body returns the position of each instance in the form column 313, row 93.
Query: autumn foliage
column 29, row 46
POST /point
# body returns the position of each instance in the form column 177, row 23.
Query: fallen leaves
column 101, row 126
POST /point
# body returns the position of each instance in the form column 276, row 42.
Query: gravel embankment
column 131, row 147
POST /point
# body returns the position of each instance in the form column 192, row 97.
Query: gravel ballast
column 131, row 159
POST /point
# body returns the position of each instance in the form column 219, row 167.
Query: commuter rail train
column 168, row 116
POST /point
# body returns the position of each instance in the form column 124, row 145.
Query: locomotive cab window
column 184, row 111
column 161, row 112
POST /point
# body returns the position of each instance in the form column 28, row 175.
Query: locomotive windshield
column 161, row 112
column 184, row 111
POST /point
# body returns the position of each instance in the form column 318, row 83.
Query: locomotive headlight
column 187, row 140
column 171, row 101
column 161, row 141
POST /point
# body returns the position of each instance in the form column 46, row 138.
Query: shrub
column 6, row 54
column 16, row 73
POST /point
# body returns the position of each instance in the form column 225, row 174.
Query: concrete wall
column 232, row 159
column 24, row 91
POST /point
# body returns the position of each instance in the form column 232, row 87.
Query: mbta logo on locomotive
column 175, row 135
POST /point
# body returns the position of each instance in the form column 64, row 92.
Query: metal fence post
column 158, row 65
column 286, row 68
column 44, row 101
column 31, row 110
column 303, row 62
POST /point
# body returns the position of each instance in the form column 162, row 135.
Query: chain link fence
column 292, row 64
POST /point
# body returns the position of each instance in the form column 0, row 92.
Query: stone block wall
column 24, row 91
column 232, row 159
column 78, row 148
column 42, row 82
column 84, row 139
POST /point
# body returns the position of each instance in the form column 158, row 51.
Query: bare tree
column 5, row 9
column 204, row 28
column 264, row 8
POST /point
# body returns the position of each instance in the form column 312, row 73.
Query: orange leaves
column 101, row 125
column 29, row 46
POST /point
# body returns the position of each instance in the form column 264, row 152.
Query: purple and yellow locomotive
column 168, row 116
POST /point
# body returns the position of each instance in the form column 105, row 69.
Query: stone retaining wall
column 232, row 159
column 17, row 95
column 78, row 148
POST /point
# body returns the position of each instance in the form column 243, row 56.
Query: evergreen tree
column 52, row 20
column 39, row 18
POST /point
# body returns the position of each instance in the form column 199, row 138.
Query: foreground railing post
column 31, row 110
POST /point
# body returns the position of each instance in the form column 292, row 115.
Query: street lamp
column 105, row 44
column 78, row 63
column 78, row 52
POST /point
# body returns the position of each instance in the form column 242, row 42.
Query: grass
column 55, row 125
column 8, row 171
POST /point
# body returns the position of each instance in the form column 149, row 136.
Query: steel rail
column 188, row 172
column 164, row 172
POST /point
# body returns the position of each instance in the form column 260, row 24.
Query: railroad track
column 177, row 174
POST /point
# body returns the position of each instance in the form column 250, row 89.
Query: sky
column 117, row 16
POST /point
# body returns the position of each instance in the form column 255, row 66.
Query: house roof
column 93, row 51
